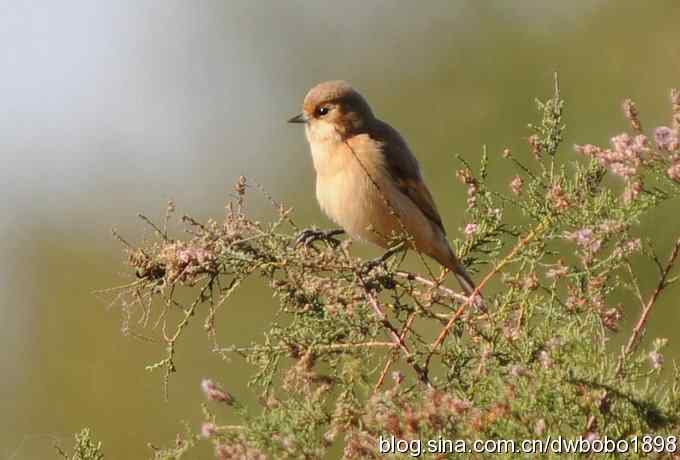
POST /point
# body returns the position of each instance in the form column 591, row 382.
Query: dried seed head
column 675, row 101
column 631, row 113
column 535, row 145
column 655, row 359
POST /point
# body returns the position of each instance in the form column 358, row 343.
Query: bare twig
column 328, row 347
column 422, row 280
column 396, row 337
column 639, row 328
column 390, row 360
column 636, row 284
column 377, row 309
column 154, row 226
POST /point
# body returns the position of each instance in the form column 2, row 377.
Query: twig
column 122, row 240
column 639, row 328
column 422, row 280
column 168, row 363
column 396, row 337
column 636, row 284
column 154, row 226
column 382, row 317
column 390, row 360
column 328, row 347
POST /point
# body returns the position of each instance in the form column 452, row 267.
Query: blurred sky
column 111, row 108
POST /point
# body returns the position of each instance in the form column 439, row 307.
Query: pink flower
column 610, row 318
column 632, row 191
column 516, row 185
column 208, row 430
column 625, row 156
column 591, row 436
column 621, row 142
column 586, row 239
column 539, row 427
column 558, row 271
column 674, row 172
column 623, row 170
column 535, row 145
column 215, row 393
column 471, row 229
column 588, row 150
column 666, row 139
column 633, row 245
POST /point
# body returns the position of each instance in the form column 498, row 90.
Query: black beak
column 298, row 119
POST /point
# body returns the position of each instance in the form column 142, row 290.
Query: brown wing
column 417, row 191
column 403, row 167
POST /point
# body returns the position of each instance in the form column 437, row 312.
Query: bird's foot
column 307, row 237
column 382, row 260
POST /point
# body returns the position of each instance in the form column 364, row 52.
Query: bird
column 367, row 179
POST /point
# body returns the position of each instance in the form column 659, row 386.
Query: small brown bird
column 367, row 179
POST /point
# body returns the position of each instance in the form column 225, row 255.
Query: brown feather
column 404, row 169
column 368, row 181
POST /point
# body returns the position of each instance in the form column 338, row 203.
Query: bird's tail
column 463, row 278
column 469, row 287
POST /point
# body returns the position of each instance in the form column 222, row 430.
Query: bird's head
column 333, row 109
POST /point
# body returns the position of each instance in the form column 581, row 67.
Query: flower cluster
column 586, row 239
column 666, row 139
column 558, row 198
column 466, row 177
column 628, row 153
column 623, row 158
column 516, row 185
column 238, row 450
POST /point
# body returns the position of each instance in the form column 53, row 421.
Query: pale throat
column 326, row 146
column 322, row 131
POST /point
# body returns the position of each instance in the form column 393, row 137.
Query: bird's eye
column 321, row 111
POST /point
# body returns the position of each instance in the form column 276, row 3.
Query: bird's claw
column 369, row 265
column 307, row 237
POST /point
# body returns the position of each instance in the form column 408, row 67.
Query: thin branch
column 328, row 347
column 377, row 309
column 396, row 337
column 390, row 360
column 422, row 280
column 639, row 328
column 636, row 284
column 154, row 226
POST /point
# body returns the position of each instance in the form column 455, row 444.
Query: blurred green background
column 111, row 108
